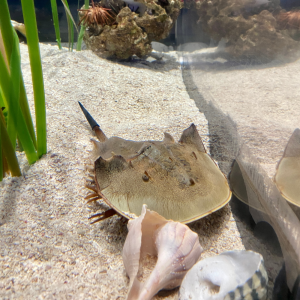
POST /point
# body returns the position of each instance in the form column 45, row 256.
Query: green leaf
column 15, row 113
column 66, row 5
column 4, row 86
column 70, row 22
column 7, row 150
column 56, row 22
column 4, row 80
column 37, row 75
column 6, row 28
column 82, row 29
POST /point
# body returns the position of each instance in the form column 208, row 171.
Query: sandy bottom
column 48, row 249
column 261, row 100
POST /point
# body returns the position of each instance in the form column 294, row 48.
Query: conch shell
column 177, row 249
column 232, row 275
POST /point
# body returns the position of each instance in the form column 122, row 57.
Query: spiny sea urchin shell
column 97, row 15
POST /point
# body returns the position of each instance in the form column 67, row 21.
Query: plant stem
column 70, row 25
column 15, row 116
column 26, row 111
column 5, row 82
column 4, row 79
column 8, row 33
column 82, row 29
column 14, row 93
column 1, row 161
column 8, row 150
column 37, row 75
column 56, row 22
column 6, row 28
column 80, row 38
column 70, row 21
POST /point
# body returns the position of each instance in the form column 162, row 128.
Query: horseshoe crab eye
column 145, row 177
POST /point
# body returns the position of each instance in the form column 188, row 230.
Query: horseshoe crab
column 180, row 181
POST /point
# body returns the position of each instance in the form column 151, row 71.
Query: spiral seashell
column 176, row 246
column 232, row 275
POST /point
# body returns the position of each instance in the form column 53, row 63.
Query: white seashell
column 232, row 275
column 176, row 246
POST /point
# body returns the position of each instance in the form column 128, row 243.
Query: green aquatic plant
column 82, row 29
column 71, row 24
column 56, row 22
column 15, row 119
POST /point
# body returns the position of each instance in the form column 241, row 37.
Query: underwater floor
column 48, row 249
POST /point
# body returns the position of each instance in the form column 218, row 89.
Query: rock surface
column 249, row 28
column 133, row 32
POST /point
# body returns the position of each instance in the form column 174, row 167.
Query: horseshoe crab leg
column 103, row 216
column 95, row 126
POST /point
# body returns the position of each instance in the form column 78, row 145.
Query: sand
column 261, row 101
column 48, row 248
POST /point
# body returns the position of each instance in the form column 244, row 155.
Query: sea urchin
column 289, row 20
column 97, row 15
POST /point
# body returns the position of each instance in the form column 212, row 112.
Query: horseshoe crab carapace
column 180, row 181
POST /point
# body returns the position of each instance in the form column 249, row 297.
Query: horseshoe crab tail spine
column 94, row 125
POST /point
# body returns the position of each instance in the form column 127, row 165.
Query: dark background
column 44, row 17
